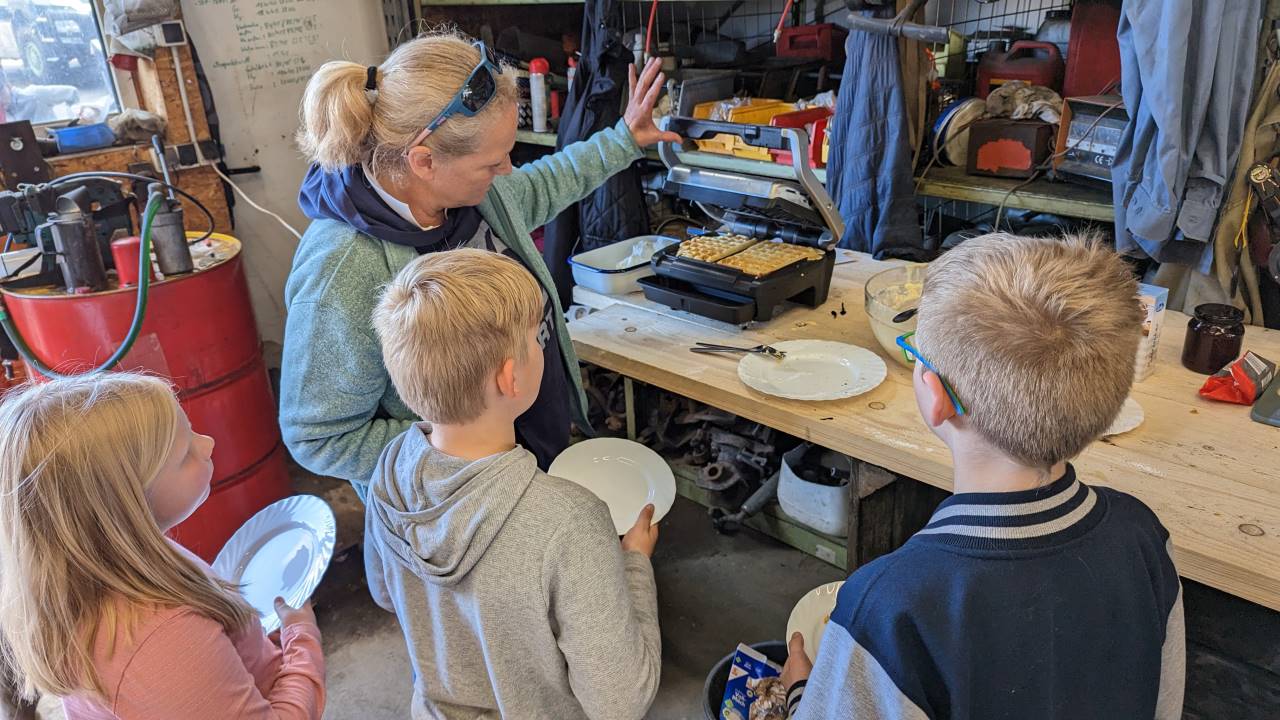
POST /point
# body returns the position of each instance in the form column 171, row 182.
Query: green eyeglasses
column 913, row 355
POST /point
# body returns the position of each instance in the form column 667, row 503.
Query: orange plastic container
column 814, row 121
column 756, row 111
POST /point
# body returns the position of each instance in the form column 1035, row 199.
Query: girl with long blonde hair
column 96, row 605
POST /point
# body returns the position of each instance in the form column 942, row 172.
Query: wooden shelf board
column 1060, row 198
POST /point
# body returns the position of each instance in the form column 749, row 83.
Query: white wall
column 258, row 55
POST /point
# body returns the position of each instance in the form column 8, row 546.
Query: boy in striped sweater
column 1029, row 594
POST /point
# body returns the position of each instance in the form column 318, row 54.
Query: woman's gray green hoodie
column 513, row 591
column 338, row 409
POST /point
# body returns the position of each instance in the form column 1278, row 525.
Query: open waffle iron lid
column 760, row 206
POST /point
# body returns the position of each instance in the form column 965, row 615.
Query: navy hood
column 348, row 197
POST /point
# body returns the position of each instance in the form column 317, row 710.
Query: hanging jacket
column 616, row 209
column 1187, row 71
column 869, row 172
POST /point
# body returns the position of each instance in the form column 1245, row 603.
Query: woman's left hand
column 644, row 95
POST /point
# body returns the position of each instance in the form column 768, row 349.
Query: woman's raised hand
column 644, row 94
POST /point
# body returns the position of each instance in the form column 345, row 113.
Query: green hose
column 139, row 309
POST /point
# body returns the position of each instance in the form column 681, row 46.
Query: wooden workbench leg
column 852, row 542
column 629, row 400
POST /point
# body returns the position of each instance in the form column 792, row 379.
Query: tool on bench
column 791, row 228
column 760, row 349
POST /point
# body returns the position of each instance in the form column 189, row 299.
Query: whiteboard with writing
column 258, row 56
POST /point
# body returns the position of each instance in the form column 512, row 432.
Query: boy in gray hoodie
column 514, row 594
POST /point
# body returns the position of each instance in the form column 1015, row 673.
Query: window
column 53, row 66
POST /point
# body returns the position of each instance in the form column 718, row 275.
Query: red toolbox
column 821, row 42
column 814, row 120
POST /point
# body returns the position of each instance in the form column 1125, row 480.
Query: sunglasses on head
column 476, row 92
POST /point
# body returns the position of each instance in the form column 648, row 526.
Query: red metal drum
column 200, row 333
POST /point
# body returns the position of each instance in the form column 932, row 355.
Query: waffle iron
column 757, row 206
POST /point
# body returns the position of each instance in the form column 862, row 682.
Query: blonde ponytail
column 343, row 124
column 336, row 116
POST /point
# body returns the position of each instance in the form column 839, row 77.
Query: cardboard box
column 1153, row 300
column 999, row 147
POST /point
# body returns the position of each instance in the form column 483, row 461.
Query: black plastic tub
column 713, row 691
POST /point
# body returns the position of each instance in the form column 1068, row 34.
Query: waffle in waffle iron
column 713, row 248
column 764, row 258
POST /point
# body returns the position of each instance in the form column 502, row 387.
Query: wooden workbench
column 1209, row 472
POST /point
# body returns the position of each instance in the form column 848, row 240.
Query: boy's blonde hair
column 1037, row 337
column 342, row 123
column 77, row 536
column 447, row 322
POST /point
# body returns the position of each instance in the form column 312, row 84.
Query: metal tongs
column 772, row 352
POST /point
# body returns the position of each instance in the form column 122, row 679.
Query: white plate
column 282, row 551
column 624, row 474
column 813, row 370
column 1130, row 417
column 809, row 617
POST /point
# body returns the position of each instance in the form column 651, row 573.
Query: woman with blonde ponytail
column 412, row 156
column 96, row 605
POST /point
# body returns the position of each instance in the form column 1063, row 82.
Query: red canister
column 1039, row 63
column 125, row 253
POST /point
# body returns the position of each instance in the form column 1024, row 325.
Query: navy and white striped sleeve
column 1173, row 659
column 847, row 681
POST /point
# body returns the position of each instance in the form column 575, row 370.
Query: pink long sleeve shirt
column 177, row 663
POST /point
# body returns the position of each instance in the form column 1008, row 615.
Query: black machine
column 73, row 219
column 72, row 223
column 764, row 206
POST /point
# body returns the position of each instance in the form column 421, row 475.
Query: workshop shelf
column 1059, row 198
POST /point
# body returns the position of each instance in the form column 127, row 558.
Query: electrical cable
column 648, row 33
column 937, row 149
column 718, row 218
column 139, row 307
column 133, row 176
column 782, row 19
column 254, row 205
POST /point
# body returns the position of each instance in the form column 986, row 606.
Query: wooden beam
column 116, row 159
column 202, row 182
column 205, row 184
column 157, row 82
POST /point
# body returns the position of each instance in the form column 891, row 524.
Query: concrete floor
column 713, row 592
